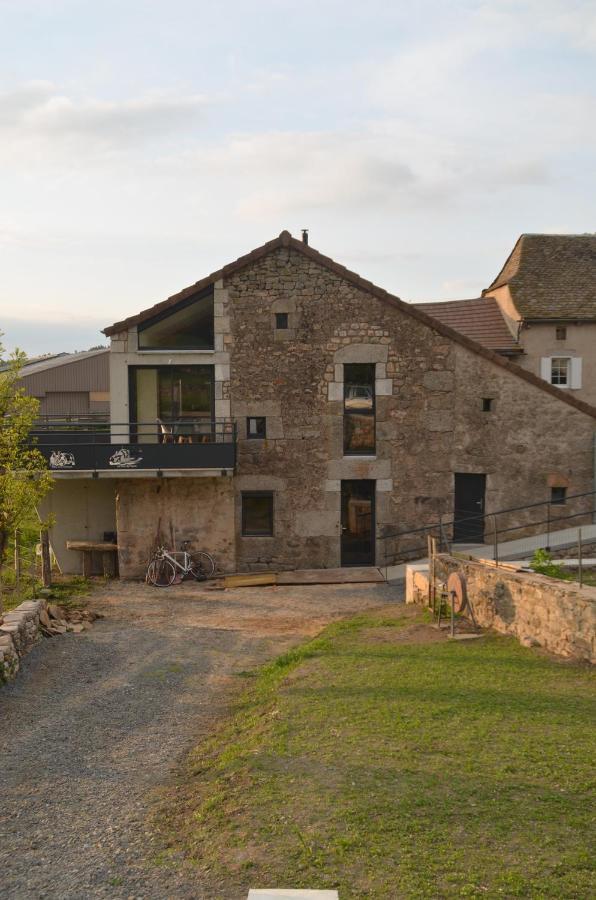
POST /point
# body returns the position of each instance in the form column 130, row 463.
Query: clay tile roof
column 480, row 319
column 285, row 239
column 551, row 276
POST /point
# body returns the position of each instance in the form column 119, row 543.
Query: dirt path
column 96, row 722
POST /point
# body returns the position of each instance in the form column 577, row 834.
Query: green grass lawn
column 391, row 769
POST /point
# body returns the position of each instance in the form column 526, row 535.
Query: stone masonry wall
column 539, row 611
column 150, row 511
column 430, row 422
column 19, row 631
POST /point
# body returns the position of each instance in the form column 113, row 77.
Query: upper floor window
column 281, row 320
column 562, row 371
column 359, row 409
column 189, row 326
column 559, row 370
column 561, row 333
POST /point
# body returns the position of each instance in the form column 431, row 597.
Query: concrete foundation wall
column 83, row 509
column 539, row 611
column 152, row 511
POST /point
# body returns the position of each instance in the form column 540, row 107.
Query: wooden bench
column 108, row 552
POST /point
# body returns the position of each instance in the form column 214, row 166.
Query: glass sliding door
column 172, row 403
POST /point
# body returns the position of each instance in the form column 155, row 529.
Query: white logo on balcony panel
column 59, row 459
column 121, row 459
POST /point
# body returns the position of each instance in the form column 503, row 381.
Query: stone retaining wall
column 19, row 631
column 538, row 610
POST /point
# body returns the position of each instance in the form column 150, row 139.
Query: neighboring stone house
column 547, row 293
column 284, row 412
column 70, row 384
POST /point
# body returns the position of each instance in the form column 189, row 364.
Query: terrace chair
column 166, row 433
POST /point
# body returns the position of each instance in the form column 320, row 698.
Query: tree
column 24, row 476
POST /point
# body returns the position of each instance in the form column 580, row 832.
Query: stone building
column 284, row 412
column 540, row 310
column 547, row 293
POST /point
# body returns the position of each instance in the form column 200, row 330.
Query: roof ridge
column 285, row 239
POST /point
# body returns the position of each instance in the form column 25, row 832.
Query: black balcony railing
column 77, row 443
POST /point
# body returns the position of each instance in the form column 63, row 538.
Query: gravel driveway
column 96, row 722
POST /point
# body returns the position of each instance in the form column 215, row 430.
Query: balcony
column 76, row 446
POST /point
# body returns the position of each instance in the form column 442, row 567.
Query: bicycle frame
column 185, row 569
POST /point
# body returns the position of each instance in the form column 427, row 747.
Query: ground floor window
column 256, row 427
column 257, row 513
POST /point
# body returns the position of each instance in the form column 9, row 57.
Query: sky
column 144, row 144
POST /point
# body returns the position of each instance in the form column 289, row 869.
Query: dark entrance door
column 357, row 523
column 468, row 525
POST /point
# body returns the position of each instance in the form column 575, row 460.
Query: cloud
column 37, row 116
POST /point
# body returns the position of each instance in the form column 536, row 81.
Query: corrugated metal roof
column 60, row 359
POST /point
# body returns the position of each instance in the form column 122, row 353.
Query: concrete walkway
column 519, row 549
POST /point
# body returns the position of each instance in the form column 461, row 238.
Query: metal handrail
column 45, row 434
column 442, row 523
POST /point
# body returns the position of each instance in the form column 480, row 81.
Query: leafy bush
column 542, row 563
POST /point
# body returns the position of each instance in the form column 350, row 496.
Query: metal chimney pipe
column 305, row 235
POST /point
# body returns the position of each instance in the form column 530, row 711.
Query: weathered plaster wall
column 539, row 340
column 151, row 511
column 540, row 611
column 429, row 418
column 83, row 509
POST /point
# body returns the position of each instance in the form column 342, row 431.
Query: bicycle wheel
column 201, row 565
column 161, row 573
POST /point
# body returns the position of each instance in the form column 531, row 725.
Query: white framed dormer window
column 562, row 371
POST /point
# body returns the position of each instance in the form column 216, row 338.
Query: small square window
column 256, row 427
column 281, row 320
column 558, row 495
column 487, row 404
column 561, row 333
column 257, row 513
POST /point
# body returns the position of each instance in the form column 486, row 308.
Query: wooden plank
column 363, row 575
column 91, row 545
column 250, row 579
column 46, row 565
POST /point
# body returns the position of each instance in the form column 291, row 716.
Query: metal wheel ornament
column 456, row 588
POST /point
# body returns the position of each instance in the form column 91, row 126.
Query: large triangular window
column 188, row 326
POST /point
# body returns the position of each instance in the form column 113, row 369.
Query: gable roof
column 480, row 319
column 551, row 276
column 285, row 239
column 61, row 359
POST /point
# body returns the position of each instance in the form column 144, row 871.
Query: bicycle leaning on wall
column 168, row 565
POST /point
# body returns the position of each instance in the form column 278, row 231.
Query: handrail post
column 580, row 557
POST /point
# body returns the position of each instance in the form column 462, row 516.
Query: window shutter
column 545, row 368
column 576, row 372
